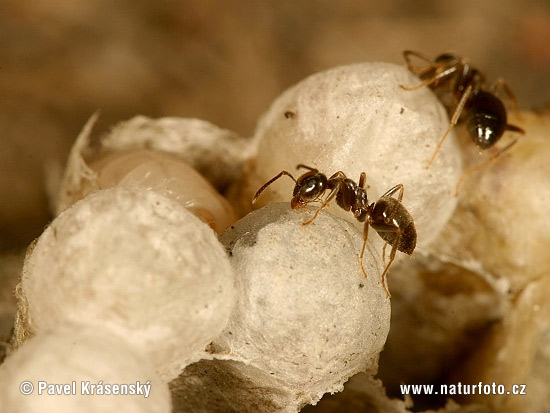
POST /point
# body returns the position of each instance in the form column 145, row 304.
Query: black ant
column 387, row 216
column 470, row 97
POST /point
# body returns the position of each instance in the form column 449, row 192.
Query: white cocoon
column 305, row 315
column 70, row 353
column 138, row 263
column 356, row 118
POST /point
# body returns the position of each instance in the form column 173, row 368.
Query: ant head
column 309, row 187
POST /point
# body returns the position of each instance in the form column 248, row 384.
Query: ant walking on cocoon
column 387, row 216
column 470, row 100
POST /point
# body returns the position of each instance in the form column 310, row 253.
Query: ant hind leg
column 392, row 257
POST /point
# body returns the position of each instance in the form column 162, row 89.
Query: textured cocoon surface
column 70, row 353
column 305, row 315
column 356, row 118
column 138, row 263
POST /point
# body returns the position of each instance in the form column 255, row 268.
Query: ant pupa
column 463, row 90
column 387, row 216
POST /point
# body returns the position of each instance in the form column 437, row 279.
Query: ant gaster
column 464, row 92
column 387, row 216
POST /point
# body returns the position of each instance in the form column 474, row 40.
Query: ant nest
column 274, row 310
column 114, row 259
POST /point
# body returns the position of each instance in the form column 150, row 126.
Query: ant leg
column 452, row 124
column 365, row 237
column 392, row 257
column 398, row 187
column 482, row 165
column 325, row 203
column 264, row 186
column 384, row 252
column 513, row 128
column 500, row 83
column 397, row 231
column 431, row 80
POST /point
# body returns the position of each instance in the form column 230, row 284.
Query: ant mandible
column 387, row 216
column 471, row 98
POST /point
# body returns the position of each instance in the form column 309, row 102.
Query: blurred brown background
column 222, row 61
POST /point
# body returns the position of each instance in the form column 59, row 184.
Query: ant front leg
column 452, row 124
column 338, row 177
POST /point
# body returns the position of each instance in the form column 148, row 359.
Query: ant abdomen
column 486, row 120
column 390, row 211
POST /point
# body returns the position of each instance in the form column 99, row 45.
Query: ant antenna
column 264, row 186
